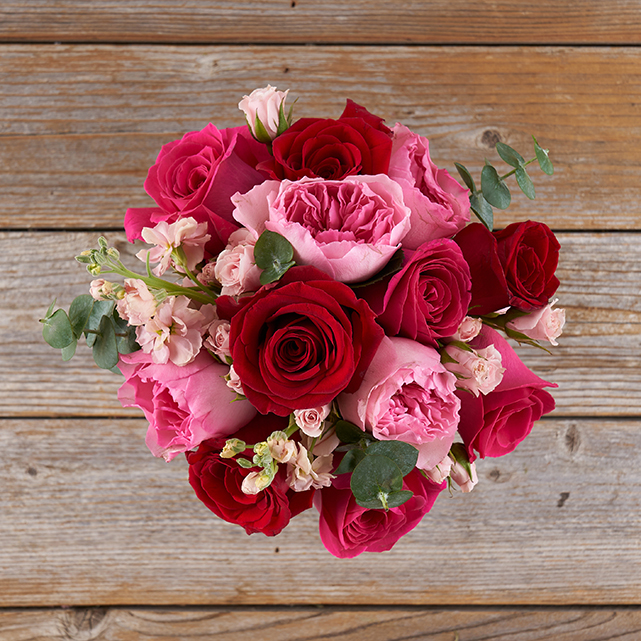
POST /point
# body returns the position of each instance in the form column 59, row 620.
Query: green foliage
column 542, row 156
column 57, row 330
column 495, row 191
column 349, row 433
column 274, row 255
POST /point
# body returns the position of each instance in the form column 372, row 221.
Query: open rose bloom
column 317, row 322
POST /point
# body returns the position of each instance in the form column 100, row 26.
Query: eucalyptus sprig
column 494, row 192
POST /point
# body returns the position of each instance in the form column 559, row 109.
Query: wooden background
column 99, row 540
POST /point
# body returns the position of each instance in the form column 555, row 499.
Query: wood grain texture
column 90, row 517
column 80, row 125
column 321, row 21
column 597, row 363
column 314, row 624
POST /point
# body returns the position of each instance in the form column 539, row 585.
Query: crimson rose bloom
column 495, row 424
column 347, row 529
column 300, row 344
column 428, row 298
column 356, row 143
column 217, row 482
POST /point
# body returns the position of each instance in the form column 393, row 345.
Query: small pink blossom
column 207, row 275
column 303, row 474
column 138, row 304
column 468, row 329
column 481, row 370
column 545, row 324
column 101, row 289
column 281, row 449
column 323, row 446
column 255, row 482
column 311, row 420
column 218, row 338
column 441, row 471
column 265, row 104
column 235, row 268
column 233, row 382
column 185, row 233
column 174, row 333
column 461, row 477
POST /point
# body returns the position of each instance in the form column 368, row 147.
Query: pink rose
column 263, row 104
column 440, row 205
column 462, row 478
column 184, row 405
column 468, row 329
column 349, row 229
column 545, row 324
column 347, row 529
column 428, row 298
column 196, row 176
column 480, row 370
column 406, row 395
column 235, row 268
column 495, row 424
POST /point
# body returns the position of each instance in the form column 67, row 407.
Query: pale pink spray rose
column 440, row 205
column 217, row 339
column 233, row 382
column 138, row 304
column 440, row 471
column 311, row 420
column 468, row 329
column 263, row 104
column 186, row 233
column 407, row 395
column 349, row 228
column 174, row 333
column 235, row 268
column 480, row 370
column 184, row 405
column 461, row 477
column 545, row 324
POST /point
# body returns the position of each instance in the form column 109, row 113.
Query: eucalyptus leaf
column 351, row 459
column 375, row 474
column 127, row 343
column 105, row 349
column 466, row 176
column 69, row 351
column 50, row 309
column 495, row 191
column 350, row 433
column 79, row 312
column 509, row 155
column 542, row 156
column 403, row 454
column 274, row 255
column 482, row 209
column 525, row 183
column 393, row 499
column 100, row 308
column 57, row 330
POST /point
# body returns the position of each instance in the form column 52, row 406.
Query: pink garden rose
column 347, row 529
column 184, row 405
column 495, row 424
column 440, row 205
column 349, row 229
column 406, row 395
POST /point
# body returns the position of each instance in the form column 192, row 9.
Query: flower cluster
column 336, row 331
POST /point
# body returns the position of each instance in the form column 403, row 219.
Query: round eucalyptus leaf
column 525, row 183
column 392, row 499
column 495, row 191
column 542, row 156
column 69, row 351
column 509, row 155
column 273, row 254
column 57, row 330
column 375, row 474
column 466, row 176
column 351, row 459
column 105, row 349
column 79, row 312
column 403, row 454
column 349, row 433
column 482, row 209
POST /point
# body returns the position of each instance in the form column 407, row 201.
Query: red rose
column 347, row 529
column 428, row 298
column 495, row 424
column 529, row 254
column 217, row 482
column 300, row 344
column 332, row 149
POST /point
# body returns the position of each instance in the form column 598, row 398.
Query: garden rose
column 428, row 298
column 347, row 529
column 218, row 484
column 184, row 405
column 406, row 395
column 299, row 344
column 440, row 205
column 349, row 229
column 331, row 149
column 495, row 424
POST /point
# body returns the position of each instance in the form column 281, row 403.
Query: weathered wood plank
column 327, row 622
column 304, row 21
column 80, row 125
column 90, row 517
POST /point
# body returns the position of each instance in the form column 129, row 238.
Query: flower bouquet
column 317, row 322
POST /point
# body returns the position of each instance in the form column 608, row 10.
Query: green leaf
column 50, row 310
column 393, row 265
column 350, row 461
column 459, row 453
column 79, row 312
column 57, row 330
column 260, row 133
column 375, row 475
column 273, row 254
column 105, row 350
column 350, row 433
column 100, row 308
column 392, row 499
column 127, row 343
column 69, row 351
column 495, row 191
column 403, row 454
column 542, row 156
column 482, row 209
column 525, row 183
column 466, row 176
column 283, row 122
column 509, row 155
column 246, row 463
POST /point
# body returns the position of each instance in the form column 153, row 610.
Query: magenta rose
column 347, row 529
column 406, row 395
column 495, row 424
column 332, row 149
column 428, row 298
column 184, row 405
column 196, row 176
column 349, row 229
column 218, row 481
column 299, row 344
column 440, row 205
